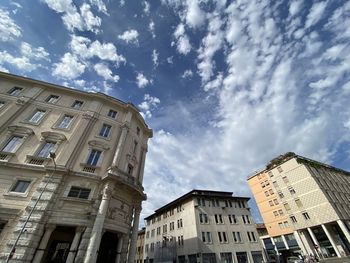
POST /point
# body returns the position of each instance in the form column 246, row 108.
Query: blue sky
column 225, row 85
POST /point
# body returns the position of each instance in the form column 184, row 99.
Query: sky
column 226, row 86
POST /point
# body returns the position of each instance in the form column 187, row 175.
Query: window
column 237, row 237
column 271, row 203
column 165, row 228
column 79, row 192
column 246, row 219
column 201, row 201
column 286, row 206
column 93, row 158
column 298, row 203
column 285, row 179
column 218, row 219
column 280, row 212
column 281, row 226
column 112, row 114
column 286, row 224
column 152, row 232
column 232, row 219
column 130, row 169
column 222, row 237
column 279, row 169
column 179, row 223
column 280, row 194
column 105, row 130
column 147, row 234
column 15, row 91
column 275, row 201
column 37, row 116
column 291, row 190
column 152, row 247
column 65, row 122
column 293, row 219
column 275, row 184
column 13, row 144
column 20, row 186
column 267, row 193
column 203, row 218
column 52, row 99
column 172, row 226
column 77, row 104
column 271, row 192
column 306, row 215
column 251, row 236
column 270, row 174
column 275, row 213
column 158, row 231
column 180, row 240
column 46, row 148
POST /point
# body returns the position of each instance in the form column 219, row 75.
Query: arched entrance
column 107, row 252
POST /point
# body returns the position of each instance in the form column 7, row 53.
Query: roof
column 291, row 155
column 97, row 94
column 196, row 193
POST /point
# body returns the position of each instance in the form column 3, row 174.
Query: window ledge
column 88, row 168
column 16, row 194
column 108, row 138
column 77, row 199
column 37, row 160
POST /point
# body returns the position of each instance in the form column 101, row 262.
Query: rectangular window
column 45, row 150
column 293, row 219
column 218, row 219
column 275, row 201
column 179, row 223
column 232, row 219
column 15, row 91
column 65, row 122
column 13, row 144
column 298, row 203
column 271, row 203
column 306, row 215
column 279, row 169
column 112, row 114
column 20, row 186
column 237, row 237
column 203, row 218
column 79, row 192
column 94, row 156
column 280, row 212
column 291, row 190
column 209, row 239
column 77, row 104
column 52, row 99
column 222, row 237
column 105, row 130
column 203, row 237
column 153, row 232
column 158, row 231
column 280, row 194
column 37, row 116
column 286, row 206
column 285, row 179
column 270, row 174
column 275, row 184
column 165, row 228
column 275, row 213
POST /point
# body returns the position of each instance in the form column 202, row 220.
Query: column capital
column 138, row 209
column 107, row 191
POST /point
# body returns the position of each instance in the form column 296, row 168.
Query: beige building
column 203, row 226
column 82, row 203
column 140, row 245
column 316, row 198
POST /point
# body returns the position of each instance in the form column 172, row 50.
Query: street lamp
column 13, row 249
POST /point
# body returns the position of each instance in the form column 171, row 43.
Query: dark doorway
column 59, row 244
column 107, row 252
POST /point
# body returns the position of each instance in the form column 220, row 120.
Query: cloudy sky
column 225, row 85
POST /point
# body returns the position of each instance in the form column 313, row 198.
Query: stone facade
column 81, row 204
column 203, row 226
column 315, row 197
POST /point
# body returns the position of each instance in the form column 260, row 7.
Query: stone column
column 285, row 241
column 73, row 248
column 43, row 243
column 300, row 242
column 120, row 146
column 345, row 230
column 315, row 241
column 141, row 165
column 96, row 233
column 329, row 236
column 119, row 248
column 135, row 228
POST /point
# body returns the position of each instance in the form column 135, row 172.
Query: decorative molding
column 54, row 136
column 20, row 130
column 99, row 145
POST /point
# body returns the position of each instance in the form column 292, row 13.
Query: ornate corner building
column 71, row 172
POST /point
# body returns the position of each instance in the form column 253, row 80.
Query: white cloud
column 148, row 105
column 170, row 60
column 83, row 47
column 72, row 19
column 22, row 63
column 195, row 16
column 79, row 82
column 130, row 36
column 146, row 8
column 104, row 71
column 155, row 56
column 295, row 6
column 9, row 30
column 151, row 28
column 187, row 74
column 141, row 80
column 100, row 5
column 183, row 44
column 316, row 13
column 69, row 67
column 34, row 53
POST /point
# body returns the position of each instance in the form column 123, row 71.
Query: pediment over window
column 20, row 130
column 99, row 145
column 53, row 136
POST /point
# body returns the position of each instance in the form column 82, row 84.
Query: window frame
column 19, row 194
column 54, row 97
column 79, row 193
column 6, row 143
column 112, row 112
column 13, row 89
column 28, row 120
column 60, row 120
column 103, row 128
column 73, row 107
column 42, row 146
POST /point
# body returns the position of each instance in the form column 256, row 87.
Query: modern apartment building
column 71, row 172
column 315, row 202
column 203, row 226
